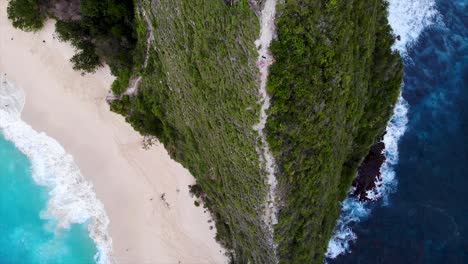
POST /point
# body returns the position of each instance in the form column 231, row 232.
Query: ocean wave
column 72, row 198
column 408, row 19
column 352, row 211
column 386, row 183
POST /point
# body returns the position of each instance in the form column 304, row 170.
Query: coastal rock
column 369, row 172
column 64, row 9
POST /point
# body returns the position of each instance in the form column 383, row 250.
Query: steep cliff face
column 198, row 94
column 333, row 83
column 188, row 76
column 333, row 86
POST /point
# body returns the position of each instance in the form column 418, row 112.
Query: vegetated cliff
column 100, row 30
column 199, row 96
column 191, row 69
column 333, row 85
column 368, row 173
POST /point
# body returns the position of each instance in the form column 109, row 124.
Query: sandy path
column 267, row 30
column 132, row 88
column 129, row 180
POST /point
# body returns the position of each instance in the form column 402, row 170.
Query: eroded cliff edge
column 333, row 84
column 187, row 76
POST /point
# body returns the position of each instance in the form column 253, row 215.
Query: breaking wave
column 408, row 19
column 72, row 199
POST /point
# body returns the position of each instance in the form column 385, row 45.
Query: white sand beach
column 129, row 180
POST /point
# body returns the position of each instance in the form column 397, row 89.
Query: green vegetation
column 103, row 32
column 85, row 59
column 26, row 14
column 333, row 86
column 198, row 95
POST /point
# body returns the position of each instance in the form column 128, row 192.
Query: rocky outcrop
column 64, row 9
column 369, row 172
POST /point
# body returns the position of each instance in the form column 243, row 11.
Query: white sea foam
column 395, row 129
column 408, row 19
column 351, row 211
column 72, row 199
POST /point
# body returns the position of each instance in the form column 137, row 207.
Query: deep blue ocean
column 425, row 220
column 26, row 236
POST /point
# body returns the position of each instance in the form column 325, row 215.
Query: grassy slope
column 199, row 96
column 333, row 86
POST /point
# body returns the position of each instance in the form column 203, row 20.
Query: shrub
column 25, row 14
column 85, row 59
column 69, row 31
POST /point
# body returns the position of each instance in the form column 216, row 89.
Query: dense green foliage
column 333, row 86
column 26, row 14
column 85, row 59
column 103, row 32
column 198, row 95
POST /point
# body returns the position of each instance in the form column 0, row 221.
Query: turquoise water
column 25, row 237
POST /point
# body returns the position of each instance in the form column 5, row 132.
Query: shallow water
column 67, row 224
column 426, row 219
column 27, row 236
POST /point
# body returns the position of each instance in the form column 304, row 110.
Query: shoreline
column 71, row 198
column 368, row 174
column 127, row 179
column 408, row 20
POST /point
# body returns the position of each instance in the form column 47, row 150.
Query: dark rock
column 64, row 9
column 369, row 172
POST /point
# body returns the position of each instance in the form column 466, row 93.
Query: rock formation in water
column 369, row 172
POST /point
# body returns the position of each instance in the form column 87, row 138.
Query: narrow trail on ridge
column 133, row 83
column 265, row 59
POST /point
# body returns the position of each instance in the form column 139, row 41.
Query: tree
column 25, row 14
column 69, row 31
column 85, row 59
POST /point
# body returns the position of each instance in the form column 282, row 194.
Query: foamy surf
column 408, row 19
column 351, row 211
column 395, row 130
column 72, row 199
